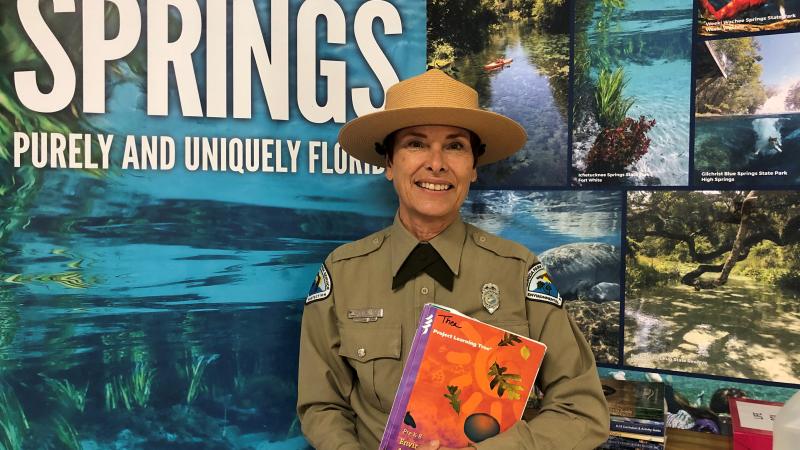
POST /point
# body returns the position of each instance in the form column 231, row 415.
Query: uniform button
column 362, row 353
column 482, row 238
column 376, row 241
column 424, row 291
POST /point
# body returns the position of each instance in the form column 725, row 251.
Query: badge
column 321, row 287
column 541, row 288
column 490, row 295
column 365, row 315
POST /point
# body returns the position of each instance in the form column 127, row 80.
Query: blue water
column 651, row 42
column 699, row 390
column 731, row 143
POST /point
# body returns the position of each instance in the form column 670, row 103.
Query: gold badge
column 490, row 294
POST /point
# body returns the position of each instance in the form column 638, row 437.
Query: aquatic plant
column 141, row 381
column 618, row 147
column 620, row 4
column 13, row 422
column 612, row 105
column 66, row 433
column 195, row 373
column 67, row 393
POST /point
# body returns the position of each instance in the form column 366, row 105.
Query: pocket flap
column 365, row 343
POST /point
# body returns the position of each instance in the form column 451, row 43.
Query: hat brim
column 501, row 135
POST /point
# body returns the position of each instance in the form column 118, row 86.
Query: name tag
column 365, row 315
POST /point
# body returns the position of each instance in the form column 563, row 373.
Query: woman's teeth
column 434, row 187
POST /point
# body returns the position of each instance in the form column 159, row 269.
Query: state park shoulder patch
column 321, row 287
column 541, row 287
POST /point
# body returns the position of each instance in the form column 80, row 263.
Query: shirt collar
column 449, row 243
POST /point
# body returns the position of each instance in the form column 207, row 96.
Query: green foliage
column 650, row 274
column 67, row 393
column 453, row 395
column 440, row 54
column 194, row 372
column 66, row 433
column 130, row 392
column 619, row 4
column 612, row 105
column 504, row 382
column 742, row 92
column 792, row 101
column 13, row 422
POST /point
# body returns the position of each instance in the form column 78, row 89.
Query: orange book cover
column 464, row 381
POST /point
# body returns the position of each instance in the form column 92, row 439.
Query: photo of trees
column 515, row 53
column 713, row 283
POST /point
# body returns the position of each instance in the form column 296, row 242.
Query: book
column 635, row 399
column 638, row 426
column 464, row 381
column 619, row 443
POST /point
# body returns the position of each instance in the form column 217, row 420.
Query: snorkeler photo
column 720, row 17
column 747, row 118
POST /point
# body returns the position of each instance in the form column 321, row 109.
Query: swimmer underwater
column 363, row 308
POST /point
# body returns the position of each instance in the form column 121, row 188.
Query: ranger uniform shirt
column 351, row 360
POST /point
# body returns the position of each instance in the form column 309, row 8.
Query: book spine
column 637, row 427
column 639, row 437
column 408, row 378
column 617, row 443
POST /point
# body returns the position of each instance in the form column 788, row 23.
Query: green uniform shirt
column 350, row 370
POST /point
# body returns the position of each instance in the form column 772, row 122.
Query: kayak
column 498, row 64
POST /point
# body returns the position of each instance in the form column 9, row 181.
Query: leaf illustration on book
column 525, row 352
column 503, row 382
column 509, row 340
column 453, row 396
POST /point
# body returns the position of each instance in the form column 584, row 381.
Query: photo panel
column 713, row 283
column 576, row 235
column 747, row 111
column 632, row 76
column 517, row 58
column 700, row 404
column 726, row 17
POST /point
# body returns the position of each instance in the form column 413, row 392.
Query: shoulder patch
column 321, row 287
column 541, row 287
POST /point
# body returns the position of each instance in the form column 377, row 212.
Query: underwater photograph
column 701, row 404
column 631, row 93
column 516, row 55
column 747, row 112
column 713, row 283
column 721, row 17
column 576, row 235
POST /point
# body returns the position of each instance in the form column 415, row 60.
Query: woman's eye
column 415, row 144
column 455, row 146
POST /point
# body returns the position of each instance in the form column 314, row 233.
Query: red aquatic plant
column 615, row 148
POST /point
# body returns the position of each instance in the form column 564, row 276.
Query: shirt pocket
column 516, row 327
column 374, row 352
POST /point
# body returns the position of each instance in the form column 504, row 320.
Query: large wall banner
column 170, row 182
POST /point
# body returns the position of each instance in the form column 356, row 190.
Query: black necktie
column 424, row 258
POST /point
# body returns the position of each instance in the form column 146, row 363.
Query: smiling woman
column 431, row 168
column 431, row 138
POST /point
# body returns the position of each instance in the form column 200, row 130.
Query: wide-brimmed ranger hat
column 432, row 98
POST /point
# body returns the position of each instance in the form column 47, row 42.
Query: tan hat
column 432, row 98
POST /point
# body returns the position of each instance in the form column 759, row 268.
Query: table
column 692, row 440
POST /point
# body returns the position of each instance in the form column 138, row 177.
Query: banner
column 170, row 182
